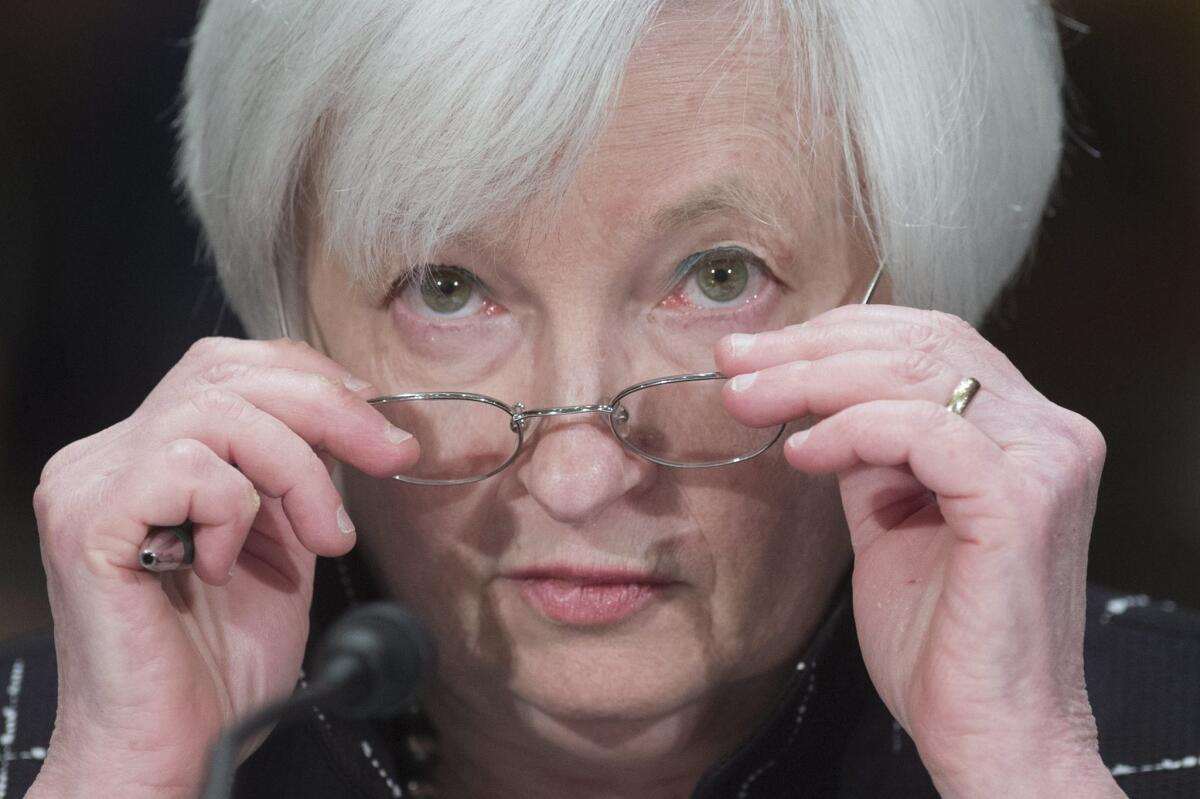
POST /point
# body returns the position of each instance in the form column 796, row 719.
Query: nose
column 577, row 469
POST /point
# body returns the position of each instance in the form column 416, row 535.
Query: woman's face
column 702, row 152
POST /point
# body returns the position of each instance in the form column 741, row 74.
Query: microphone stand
column 223, row 760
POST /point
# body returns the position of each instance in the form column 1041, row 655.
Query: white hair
column 386, row 126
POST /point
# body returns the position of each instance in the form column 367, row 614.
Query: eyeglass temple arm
column 874, row 283
column 277, row 285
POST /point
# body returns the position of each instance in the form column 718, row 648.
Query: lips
column 587, row 597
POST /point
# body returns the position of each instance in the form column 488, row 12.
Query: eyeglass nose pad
column 620, row 420
column 520, row 424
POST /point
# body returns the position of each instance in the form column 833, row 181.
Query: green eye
column 722, row 274
column 447, row 289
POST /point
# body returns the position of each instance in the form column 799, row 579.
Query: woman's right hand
column 150, row 668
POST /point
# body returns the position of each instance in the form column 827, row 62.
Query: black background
column 104, row 288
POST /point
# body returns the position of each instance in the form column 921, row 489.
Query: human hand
column 150, row 668
column 970, row 536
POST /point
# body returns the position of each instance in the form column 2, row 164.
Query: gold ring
column 961, row 398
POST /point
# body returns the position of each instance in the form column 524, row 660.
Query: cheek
column 429, row 549
column 777, row 546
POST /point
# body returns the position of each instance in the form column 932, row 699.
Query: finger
column 187, row 480
column 823, row 387
column 322, row 411
column 217, row 356
column 277, row 461
column 945, row 452
column 211, row 353
column 939, row 320
column 970, row 352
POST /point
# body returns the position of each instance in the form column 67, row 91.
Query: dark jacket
column 829, row 735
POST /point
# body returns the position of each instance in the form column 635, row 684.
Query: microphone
column 372, row 663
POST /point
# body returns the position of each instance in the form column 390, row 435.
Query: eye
column 720, row 277
column 441, row 292
column 446, row 289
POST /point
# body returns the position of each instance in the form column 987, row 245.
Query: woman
column 545, row 203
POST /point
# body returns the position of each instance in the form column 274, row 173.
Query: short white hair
column 391, row 125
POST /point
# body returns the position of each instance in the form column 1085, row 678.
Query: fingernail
column 743, row 382
column 354, row 384
column 796, row 440
column 343, row 521
column 740, row 343
column 396, row 435
column 255, row 499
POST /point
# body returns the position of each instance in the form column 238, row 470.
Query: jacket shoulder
column 29, row 673
column 1142, row 664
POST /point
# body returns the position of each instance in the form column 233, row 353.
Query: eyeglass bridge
column 520, row 415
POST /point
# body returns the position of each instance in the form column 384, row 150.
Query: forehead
column 708, row 119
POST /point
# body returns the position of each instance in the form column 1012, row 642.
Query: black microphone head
column 383, row 653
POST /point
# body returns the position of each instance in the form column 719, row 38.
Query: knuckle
column 346, row 406
column 332, row 390
column 219, row 403
column 1089, row 437
column 1066, row 473
column 915, row 366
column 62, row 461
column 52, row 512
column 1083, row 448
column 922, row 338
column 224, row 373
column 294, row 346
column 209, row 348
column 58, row 461
column 189, row 455
column 44, row 501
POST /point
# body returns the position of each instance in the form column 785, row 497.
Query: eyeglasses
column 678, row 421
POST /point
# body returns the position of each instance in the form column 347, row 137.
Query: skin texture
column 969, row 535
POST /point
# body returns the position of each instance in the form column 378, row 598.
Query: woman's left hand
column 970, row 535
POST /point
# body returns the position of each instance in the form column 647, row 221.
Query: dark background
column 103, row 288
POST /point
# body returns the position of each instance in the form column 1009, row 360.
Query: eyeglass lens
column 686, row 424
column 460, row 439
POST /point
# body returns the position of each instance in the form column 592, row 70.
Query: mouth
column 588, row 597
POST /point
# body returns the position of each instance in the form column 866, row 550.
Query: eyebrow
column 723, row 196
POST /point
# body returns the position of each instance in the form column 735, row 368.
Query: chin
column 606, row 704
column 643, row 668
column 602, row 681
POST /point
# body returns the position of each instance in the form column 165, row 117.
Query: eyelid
column 414, row 275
